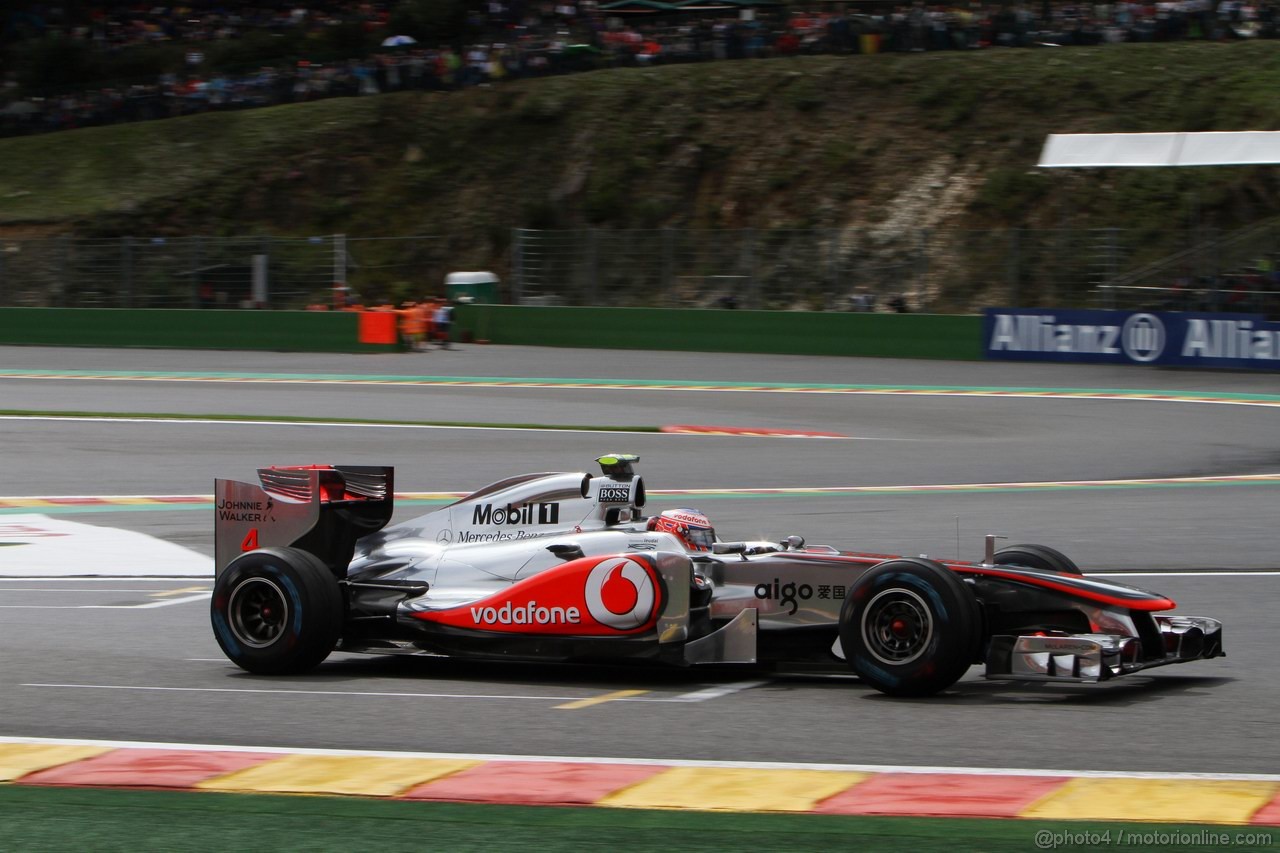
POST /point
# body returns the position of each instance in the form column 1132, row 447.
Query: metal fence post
column 922, row 257
column 126, row 269
column 340, row 291
column 517, row 266
column 592, row 268
column 1013, row 270
column 64, row 269
column 749, row 264
column 1113, row 254
column 4, row 251
column 265, row 274
column 1215, row 240
column 260, row 294
column 667, row 285
column 828, row 302
column 196, row 251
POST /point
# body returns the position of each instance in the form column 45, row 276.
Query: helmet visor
column 702, row 537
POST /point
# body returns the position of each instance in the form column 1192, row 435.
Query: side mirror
column 567, row 552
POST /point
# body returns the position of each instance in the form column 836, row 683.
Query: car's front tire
column 277, row 611
column 1037, row 557
column 910, row 627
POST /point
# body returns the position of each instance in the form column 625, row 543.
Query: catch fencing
column 878, row 268
column 215, row 272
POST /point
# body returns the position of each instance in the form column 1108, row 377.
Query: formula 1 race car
column 566, row 567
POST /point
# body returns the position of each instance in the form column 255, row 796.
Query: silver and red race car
column 566, row 567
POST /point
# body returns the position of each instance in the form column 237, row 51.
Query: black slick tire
column 277, row 611
column 910, row 627
column 1037, row 557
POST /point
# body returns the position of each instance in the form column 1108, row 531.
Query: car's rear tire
column 1037, row 557
column 910, row 627
column 277, row 611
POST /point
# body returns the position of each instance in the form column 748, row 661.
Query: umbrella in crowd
column 398, row 41
column 638, row 7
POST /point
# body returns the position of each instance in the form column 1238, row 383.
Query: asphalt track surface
column 155, row 674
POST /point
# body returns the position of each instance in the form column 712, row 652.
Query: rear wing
column 322, row 509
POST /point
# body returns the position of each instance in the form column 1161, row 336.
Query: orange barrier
column 378, row 327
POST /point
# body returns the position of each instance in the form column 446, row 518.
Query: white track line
column 186, row 599
column 717, row 692
column 328, row 424
column 695, row 696
column 335, row 693
column 1174, row 573
column 702, row 696
column 4, row 589
column 95, row 579
column 649, row 762
column 203, row 596
column 1225, row 479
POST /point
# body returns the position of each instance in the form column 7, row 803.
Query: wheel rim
column 896, row 626
column 258, row 612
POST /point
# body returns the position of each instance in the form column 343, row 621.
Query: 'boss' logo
column 615, row 494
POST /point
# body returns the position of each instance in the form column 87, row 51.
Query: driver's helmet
column 690, row 526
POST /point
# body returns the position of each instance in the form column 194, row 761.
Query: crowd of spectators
column 1252, row 289
column 114, row 25
column 523, row 38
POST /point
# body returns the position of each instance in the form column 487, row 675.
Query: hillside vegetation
column 936, row 140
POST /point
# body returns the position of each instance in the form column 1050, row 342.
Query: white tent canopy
column 1095, row 150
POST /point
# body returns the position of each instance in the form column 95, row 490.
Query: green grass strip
column 297, row 419
column 56, row 819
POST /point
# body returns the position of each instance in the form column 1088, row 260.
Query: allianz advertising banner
column 1132, row 337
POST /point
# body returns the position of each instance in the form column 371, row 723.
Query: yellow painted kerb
column 1170, row 800
column 734, row 789
column 337, row 774
column 19, row 759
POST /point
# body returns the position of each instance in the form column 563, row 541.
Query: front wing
column 1099, row 657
